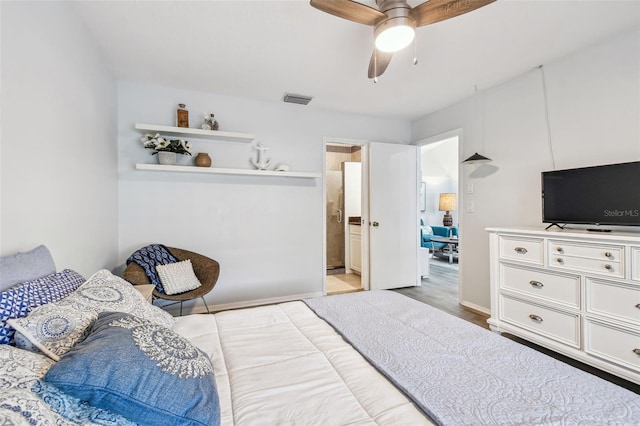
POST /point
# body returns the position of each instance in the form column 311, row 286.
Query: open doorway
column 440, row 235
column 343, row 217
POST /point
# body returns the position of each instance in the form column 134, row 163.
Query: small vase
column 203, row 160
column 166, row 157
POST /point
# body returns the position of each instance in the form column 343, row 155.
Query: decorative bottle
column 182, row 116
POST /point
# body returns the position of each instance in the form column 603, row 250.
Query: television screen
column 604, row 195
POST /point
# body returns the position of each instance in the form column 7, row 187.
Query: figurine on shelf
column 210, row 123
column 261, row 163
column 182, row 116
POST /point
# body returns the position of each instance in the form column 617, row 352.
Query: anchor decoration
column 261, row 163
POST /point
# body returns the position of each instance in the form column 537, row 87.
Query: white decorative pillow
column 54, row 330
column 178, row 277
column 56, row 327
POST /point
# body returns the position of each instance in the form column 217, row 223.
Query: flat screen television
column 600, row 195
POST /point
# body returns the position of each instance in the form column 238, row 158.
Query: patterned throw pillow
column 56, row 327
column 25, row 399
column 178, row 277
column 20, row 299
column 143, row 371
column 148, row 258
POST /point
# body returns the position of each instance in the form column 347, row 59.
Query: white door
column 393, row 216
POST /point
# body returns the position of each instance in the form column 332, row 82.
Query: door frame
column 364, row 144
column 461, row 201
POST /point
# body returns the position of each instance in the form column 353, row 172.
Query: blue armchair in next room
column 426, row 232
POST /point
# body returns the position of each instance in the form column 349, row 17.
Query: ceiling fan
column 394, row 22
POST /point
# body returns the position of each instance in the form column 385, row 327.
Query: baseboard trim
column 475, row 307
column 199, row 307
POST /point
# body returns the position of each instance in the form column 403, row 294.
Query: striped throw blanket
column 149, row 257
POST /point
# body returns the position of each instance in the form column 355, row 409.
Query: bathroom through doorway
column 343, row 217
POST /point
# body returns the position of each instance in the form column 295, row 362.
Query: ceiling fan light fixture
column 394, row 34
column 394, row 22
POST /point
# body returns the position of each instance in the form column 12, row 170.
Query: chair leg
column 205, row 304
column 181, row 308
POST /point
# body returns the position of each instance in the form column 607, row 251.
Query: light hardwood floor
column 343, row 283
column 440, row 290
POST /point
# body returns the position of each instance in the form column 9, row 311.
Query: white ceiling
column 262, row 49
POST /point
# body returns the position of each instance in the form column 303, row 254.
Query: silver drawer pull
column 535, row 317
column 560, row 250
column 608, row 267
column 560, row 261
column 540, row 285
column 608, row 254
column 520, row 250
column 636, row 351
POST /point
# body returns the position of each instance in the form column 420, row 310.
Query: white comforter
column 282, row 365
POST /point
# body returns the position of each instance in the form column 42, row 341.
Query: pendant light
column 478, row 158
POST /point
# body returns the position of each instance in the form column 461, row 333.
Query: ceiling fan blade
column 433, row 11
column 378, row 65
column 350, row 10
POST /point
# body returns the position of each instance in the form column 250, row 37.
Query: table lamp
column 447, row 204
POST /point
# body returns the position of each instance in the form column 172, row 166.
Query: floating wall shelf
column 220, row 171
column 196, row 133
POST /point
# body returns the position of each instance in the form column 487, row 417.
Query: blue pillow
column 22, row 298
column 143, row 371
column 25, row 400
column 72, row 409
column 30, row 265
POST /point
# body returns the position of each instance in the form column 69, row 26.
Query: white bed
column 278, row 364
column 281, row 364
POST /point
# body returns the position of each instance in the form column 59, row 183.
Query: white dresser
column 575, row 292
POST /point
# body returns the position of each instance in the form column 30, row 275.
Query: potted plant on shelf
column 170, row 151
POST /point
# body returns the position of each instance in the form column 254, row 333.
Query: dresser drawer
column 559, row 288
column 527, row 250
column 601, row 252
column 612, row 343
column 613, row 300
column 635, row 263
column 561, row 326
column 602, row 267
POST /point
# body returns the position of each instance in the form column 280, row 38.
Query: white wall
column 267, row 233
column 594, row 107
column 58, row 147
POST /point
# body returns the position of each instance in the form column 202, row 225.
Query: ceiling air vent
column 296, row 99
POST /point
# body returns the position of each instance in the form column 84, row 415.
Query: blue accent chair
column 426, row 232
